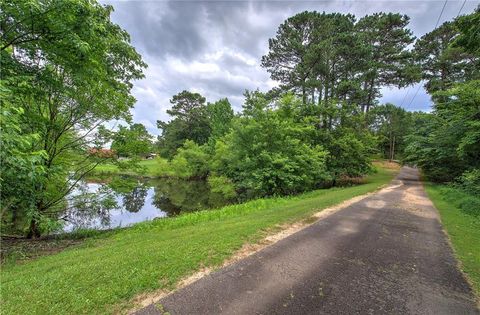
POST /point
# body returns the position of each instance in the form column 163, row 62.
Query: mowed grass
column 462, row 228
column 152, row 168
column 107, row 273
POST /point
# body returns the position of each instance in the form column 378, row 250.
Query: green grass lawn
column 105, row 273
column 462, row 228
column 152, row 168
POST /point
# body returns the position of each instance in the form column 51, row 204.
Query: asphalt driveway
column 386, row 254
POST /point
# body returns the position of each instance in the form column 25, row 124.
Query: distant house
column 102, row 153
column 150, row 156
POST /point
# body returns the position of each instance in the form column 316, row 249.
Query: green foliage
column 469, row 182
column 189, row 122
column 266, row 152
column 132, row 142
column 446, row 143
column 326, row 58
column 463, row 229
column 21, row 170
column 220, row 115
column 72, row 69
column 467, row 203
column 388, row 62
column 469, row 37
column 190, row 161
column 349, row 155
column 443, row 64
column 277, row 148
column 390, row 124
column 222, row 185
column 110, row 270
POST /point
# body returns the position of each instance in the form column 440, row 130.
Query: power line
column 436, row 24
column 404, row 98
column 441, row 13
column 461, row 8
column 415, row 95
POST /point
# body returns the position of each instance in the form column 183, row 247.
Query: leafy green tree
column 461, row 111
column 132, row 142
column 390, row 124
column 189, row 122
column 332, row 59
column 349, row 158
column 309, row 55
column 265, row 154
column 469, row 37
column 191, row 161
column 220, row 115
column 389, row 62
column 287, row 60
column 73, row 70
column 21, row 170
column 446, row 143
column 442, row 63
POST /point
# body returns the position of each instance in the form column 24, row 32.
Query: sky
column 215, row 47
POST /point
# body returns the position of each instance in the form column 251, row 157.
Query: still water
column 124, row 201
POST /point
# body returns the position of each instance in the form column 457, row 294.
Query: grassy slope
column 153, row 168
column 463, row 230
column 106, row 273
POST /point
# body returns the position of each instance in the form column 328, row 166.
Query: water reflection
column 174, row 196
column 123, row 201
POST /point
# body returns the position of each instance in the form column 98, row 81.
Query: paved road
column 385, row 254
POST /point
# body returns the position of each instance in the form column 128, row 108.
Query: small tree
column 72, row 70
column 190, row 122
column 132, row 142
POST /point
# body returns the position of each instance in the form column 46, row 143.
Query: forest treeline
column 324, row 121
column 64, row 74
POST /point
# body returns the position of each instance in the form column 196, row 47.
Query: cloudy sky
column 214, row 47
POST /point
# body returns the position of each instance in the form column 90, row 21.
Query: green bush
column 268, row 151
column 469, row 182
column 190, row 161
column 467, row 203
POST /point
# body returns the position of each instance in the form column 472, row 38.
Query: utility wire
column 441, row 13
column 436, row 24
column 404, row 97
column 461, row 8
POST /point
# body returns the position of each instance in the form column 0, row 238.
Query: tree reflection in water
column 127, row 200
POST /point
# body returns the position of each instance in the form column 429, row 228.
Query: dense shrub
column 469, row 182
column 467, row 203
column 190, row 161
column 268, row 152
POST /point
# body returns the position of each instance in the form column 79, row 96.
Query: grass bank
column 158, row 167
column 105, row 273
column 462, row 226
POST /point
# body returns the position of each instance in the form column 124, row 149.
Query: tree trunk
column 304, row 94
column 393, row 149
column 370, row 94
column 34, row 229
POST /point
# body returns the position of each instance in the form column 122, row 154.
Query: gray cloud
column 214, row 47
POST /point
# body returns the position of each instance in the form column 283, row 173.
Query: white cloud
column 215, row 48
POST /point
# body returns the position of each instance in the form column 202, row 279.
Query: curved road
column 386, row 254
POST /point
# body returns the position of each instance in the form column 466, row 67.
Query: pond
column 131, row 200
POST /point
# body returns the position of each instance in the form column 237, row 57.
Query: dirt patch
column 416, row 203
column 391, row 165
column 20, row 249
